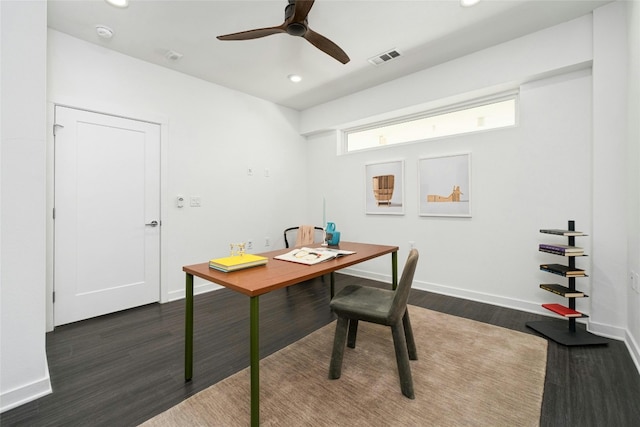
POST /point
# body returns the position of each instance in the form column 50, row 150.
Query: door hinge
column 55, row 128
column 54, row 297
column 54, row 213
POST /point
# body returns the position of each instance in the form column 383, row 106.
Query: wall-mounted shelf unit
column 565, row 332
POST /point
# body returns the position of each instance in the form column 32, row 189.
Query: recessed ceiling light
column 294, row 78
column 104, row 31
column 118, row 3
column 468, row 3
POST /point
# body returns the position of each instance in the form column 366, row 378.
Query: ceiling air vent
column 385, row 57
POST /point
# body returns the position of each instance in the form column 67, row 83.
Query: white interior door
column 107, row 198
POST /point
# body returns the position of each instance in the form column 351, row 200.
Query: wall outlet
column 634, row 281
column 249, row 244
column 195, row 201
column 412, row 244
column 267, row 241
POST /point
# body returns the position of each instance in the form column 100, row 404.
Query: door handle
column 153, row 223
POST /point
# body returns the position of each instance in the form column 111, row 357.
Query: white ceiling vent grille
column 385, row 57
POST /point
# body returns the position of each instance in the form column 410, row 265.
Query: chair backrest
column 399, row 304
column 291, row 229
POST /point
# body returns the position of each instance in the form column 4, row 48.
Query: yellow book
column 237, row 262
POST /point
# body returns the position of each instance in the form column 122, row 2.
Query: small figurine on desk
column 237, row 249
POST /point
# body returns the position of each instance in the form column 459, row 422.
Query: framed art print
column 384, row 188
column 445, row 185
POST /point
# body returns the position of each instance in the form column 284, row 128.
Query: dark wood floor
column 121, row 369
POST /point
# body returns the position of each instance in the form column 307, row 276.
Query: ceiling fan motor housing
column 297, row 29
column 294, row 28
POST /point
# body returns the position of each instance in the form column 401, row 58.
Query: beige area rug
column 467, row 374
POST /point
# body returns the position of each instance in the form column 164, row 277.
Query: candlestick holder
column 324, row 237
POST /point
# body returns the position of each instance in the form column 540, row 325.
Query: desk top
column 278, row 274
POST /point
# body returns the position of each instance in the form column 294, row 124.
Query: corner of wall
column 19, row 396
column 24, row 373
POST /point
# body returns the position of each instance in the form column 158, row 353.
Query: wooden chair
column 381, row 306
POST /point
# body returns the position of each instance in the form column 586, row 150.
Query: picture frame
column 444, row 185
column 384, row 188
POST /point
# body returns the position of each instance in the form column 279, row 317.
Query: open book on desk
column 312, row 256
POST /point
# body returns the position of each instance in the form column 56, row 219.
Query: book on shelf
column 311, row 256
column 562, row 270
column 565, row 250
column 561, row 253
column 562, row 310
column 562, row 290
column 560, row 232
column 237, row 262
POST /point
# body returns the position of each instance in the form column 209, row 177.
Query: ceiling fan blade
column 254, row 34
column 302, row 10
column 326, row 45
column 295, row 24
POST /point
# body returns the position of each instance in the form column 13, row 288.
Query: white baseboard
column 607, row 331
column 26, row 393
column 634, row 349
column 198, row 288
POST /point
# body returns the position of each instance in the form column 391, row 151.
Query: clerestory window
column 453, row 120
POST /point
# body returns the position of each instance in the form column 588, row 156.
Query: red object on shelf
column 562, row 310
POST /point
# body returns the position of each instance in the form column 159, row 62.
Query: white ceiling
column 426, row 32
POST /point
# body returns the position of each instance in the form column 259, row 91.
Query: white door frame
column 164, row 144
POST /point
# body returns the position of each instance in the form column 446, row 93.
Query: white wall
column 610, row 186
column 211, row 135
column 519, row 177
column 504, row 66
column 566, row 160
column 633, row 162
column 24, row 373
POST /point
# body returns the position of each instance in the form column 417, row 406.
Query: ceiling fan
column 295, row 24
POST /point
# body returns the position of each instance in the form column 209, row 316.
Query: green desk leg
column 188, row 329
column 333, row 283
column 394, row 270
column 254, row 350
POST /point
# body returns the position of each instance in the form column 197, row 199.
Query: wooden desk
column 256, row 281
